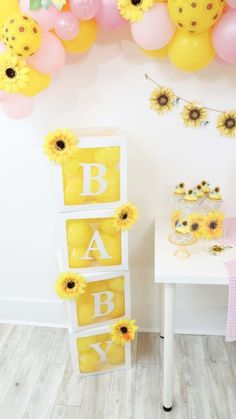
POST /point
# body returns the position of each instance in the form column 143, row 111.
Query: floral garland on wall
column 37, row 34
column 194, row 115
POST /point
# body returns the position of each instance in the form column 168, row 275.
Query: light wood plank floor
column 36, row 379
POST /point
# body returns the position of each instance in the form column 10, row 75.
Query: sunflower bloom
column 60, row 145
column 70, row 285
column 195, row 222
column 213, row 225
column 13, row 73
column 125, row 217
column 162, row 100
column 133, row 10
column 123, row 331
column 194, row 115
column 226, row 124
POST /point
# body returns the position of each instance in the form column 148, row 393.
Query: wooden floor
column 36, row 380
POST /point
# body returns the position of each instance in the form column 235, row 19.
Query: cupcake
column 205, row 186
column 215, row 194
column 182, row 235
column 214, row 199
column 182, row 227
column 199, row 192
column 180, row 189
column 191, row 196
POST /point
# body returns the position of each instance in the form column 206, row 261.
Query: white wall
column 107, row 87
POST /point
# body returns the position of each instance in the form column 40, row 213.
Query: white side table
column 199, row 268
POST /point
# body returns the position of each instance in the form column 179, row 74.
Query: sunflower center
column 230, row 123
column 124, row 329
column 203, row 183
column 11, row 73
column 70, row 284
column 136, row 2
column 60, row 145
column 213, row 225
column 195, row 226
column 195, row 114
column 124, row 216
column 162, row 100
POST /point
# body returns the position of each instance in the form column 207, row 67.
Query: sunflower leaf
column 176, row 101
column 35, row 4
column 205, row 123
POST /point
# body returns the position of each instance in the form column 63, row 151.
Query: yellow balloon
column 72, row 191
column 85, row 38
column 37, row 83
column 71, row 167
column 158, row 53
column 89, row 361
column 22, row 35
column 75, row 256
column 191, row 52
column 116, row 284
column 109, row 156
column 86, row 155
column 85, row 312
column 97, row 286
column 119, row 301
column 83, row 343
column 7, row 8
column 106, row 226
column 112, row 192
column 195, row 16
column 116, row 354
column 79, row 233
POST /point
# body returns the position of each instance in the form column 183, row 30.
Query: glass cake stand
column 182, row 241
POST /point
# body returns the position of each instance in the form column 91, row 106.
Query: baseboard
column 51, row 313
column 47, row 313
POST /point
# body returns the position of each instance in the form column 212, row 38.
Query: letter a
column 96, row 243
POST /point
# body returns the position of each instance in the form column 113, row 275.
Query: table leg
column 162, row 286
column 168, row 373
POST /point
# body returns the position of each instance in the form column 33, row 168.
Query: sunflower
column 70, row 285
column 60, row 145
column 123, row 331
column 194, row 115
column 213, row 225
column 125, row 216
column 133, row 9
column 162, row 100
column 226, row 123
column 195, row 222
column 13, row 73
column 175, row 218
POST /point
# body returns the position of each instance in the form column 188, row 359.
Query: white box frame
column 62, row 240
column 94, row 140
column 71, row 306
column 93, row 332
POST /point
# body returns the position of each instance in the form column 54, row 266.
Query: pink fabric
column 231, row 319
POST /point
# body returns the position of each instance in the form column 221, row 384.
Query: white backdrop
column 106, row 87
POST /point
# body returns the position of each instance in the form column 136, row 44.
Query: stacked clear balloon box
column 37, row 34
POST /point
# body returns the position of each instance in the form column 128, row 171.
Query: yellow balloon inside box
column 102, row 301
column 89, row 246
column 98, row 353
column 92, row 176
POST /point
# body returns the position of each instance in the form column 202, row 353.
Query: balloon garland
column 194, row 115
column 37, row 34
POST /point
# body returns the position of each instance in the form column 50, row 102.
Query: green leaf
column 35, row 4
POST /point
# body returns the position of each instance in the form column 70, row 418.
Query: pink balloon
column 67, row 26
column 155, row 30
column 108, row 14
column 224, row 37
column 84, row 9
column 50, row 57
column 4, row 95
column 18, row 106
column 46, row 18
column 232, row 3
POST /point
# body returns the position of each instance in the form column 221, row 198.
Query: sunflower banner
column 194, row 115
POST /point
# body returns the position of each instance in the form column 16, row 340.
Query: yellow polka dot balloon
column 21, row 35
column 195, row 16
